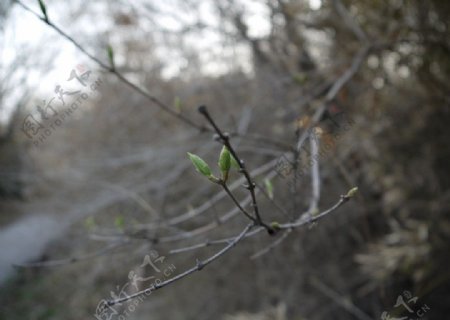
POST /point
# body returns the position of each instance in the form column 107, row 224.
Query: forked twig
column 225, row 139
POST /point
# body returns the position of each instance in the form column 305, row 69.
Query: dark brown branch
column 225, row 139
column 236, row 202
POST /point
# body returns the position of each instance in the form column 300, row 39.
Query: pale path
column 26, row 240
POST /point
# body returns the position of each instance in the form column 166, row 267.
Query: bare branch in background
column 114, row 71
column 350, row 21
column 314, row 139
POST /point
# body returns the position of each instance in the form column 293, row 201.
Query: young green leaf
column 200, row 165
column 269, row 188
column 224, row 162
column 234, row 163
column 111, row 57
column 352, row 192
column 43, row 9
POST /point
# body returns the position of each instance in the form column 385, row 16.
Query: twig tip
column 202, row 109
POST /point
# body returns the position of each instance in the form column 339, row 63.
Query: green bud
column 200, row 165
column 275, row 225
column 269, row 188
column 315, row 212
column 43, row 9
column 224, row 162
column 351, row 192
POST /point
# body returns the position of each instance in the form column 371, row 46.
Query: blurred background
column 96, row 186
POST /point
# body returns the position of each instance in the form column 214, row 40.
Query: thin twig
column 199, row 266
column 315, row 175
column 205, row 206
column 288, row 226
column 225, row 139
column 236, row 202
column 61, row 262
column 339, row 299
column 310, row 219
column 334, row 90
column 114, row 71
column 273, row 245
column 350, row 21
column 208, row 243
column 271, row 200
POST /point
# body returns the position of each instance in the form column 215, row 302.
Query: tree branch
column 225, row 139
column 113, row 70
column 199, row 266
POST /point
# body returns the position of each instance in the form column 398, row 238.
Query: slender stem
column 334, row 90
column 113, row 70
column 199, row 266
column 311, row 219
column 288, row 227
column 273, row 245
column 236, row 202
column 250, row 184
column 61, row 262
column 315, row 175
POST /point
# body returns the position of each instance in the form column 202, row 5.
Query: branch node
column 200, row 265
column 202, row 109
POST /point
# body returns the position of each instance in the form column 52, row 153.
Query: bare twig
column 315, row 175
column 236, row 202
column 199, row 266
column 61, row 262
column 350, row 21
column 310, row 219
column 334, row 90
column 114, row 71
column 302, row 221
column 272, row 201
column 339, row 299
column 208, row 243
column 273, row 245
